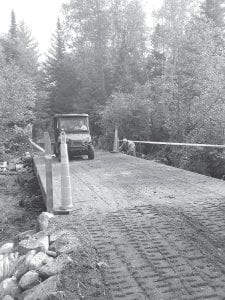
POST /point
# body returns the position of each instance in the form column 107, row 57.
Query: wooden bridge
column 117, row 181
column 160, row 229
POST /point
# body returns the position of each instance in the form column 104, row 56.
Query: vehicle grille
column 76, row 144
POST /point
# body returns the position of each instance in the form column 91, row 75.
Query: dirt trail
column 160, row 229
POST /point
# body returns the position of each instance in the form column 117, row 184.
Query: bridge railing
column 117, row 141
column 47, row 153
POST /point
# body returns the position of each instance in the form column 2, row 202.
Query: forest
column 165, row 83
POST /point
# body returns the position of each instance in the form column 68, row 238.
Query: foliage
column 17, row 96
column 214, row 11
column 131, row 113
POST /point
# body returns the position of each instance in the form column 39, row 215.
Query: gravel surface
column 159, row 229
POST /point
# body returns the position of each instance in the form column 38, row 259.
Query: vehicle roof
column 70, row 115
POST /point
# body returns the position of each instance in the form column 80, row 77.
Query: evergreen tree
column 20, row 48
column 60, row 75
column 13, row 26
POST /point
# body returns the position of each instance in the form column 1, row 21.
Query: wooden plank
column 48, row 170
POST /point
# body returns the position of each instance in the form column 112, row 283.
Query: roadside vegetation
column 164, row 83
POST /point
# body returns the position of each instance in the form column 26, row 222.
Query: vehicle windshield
column 73, row 124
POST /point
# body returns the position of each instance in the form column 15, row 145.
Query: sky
column 41, row 16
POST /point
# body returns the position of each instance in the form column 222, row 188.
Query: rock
column 8, row 297
column 38, row 242
column 25, row 235
column 26, row 294
column 7, row 264
column 65, row 243
column 7, row 248
column 43, row 290
column 43, row 220
column 56, row 296
column 55, row 267
column 52, row 253
column 19, row 167
column 38, row 260
column 102, row 264
column 29, row 256
column 3, row 166
column 29, row 279
column 9, row 287
column 12, row 166
column 20, row 267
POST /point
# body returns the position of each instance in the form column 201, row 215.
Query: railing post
column 116, row 141
column 48, row 172
column 66, row 195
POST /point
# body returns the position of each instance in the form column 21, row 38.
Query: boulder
column 37, row 261
column 26, row 294
column 43, row 220
column 29, row 256
column 24, row 235
column 20, row 267
column 10, row 287
column 55, row 267
column 8, row 297
column 7, row 248
column 39, row 242
column 29, row 280
column 52, row 253
column 43, row 290
column 55, row 296
column 65, row 243
column 8, row 264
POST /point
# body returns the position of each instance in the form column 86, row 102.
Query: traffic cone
column 116, row 141
column 66, row 195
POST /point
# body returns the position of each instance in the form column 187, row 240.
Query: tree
column 86, row 24
column 20, row 48
column 214, row 10
column 13, row 26
column 130, row 112
column 61, row 78
column 17, row 96
column 156, row 57
column 128, row 38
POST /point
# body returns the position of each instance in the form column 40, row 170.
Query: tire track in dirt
column 151, row 256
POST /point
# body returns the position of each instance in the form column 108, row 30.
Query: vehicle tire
column 59, row 154
column 91, row 154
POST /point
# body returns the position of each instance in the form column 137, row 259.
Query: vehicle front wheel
column 59, row 154
column 91, row 154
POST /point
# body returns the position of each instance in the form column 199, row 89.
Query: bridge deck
column 115, row 181
column 161, row 229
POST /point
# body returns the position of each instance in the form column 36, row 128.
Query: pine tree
column 20, row 48
column 27, row 48
column 13, row 26
column 214, row 10
column 60, row 75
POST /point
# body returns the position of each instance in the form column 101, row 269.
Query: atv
column 78, row 138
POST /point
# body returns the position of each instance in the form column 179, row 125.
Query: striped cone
column 116, row 141
column 66, row 195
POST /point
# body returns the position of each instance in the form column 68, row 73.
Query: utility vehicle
column 78, row 138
